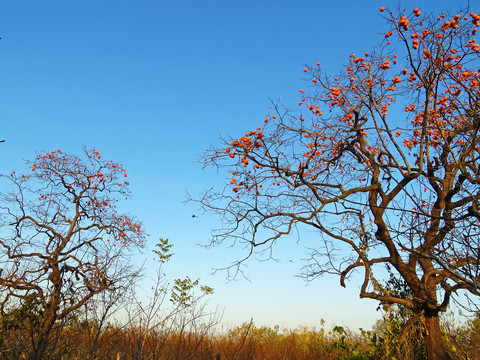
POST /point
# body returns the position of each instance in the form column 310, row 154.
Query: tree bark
column 434, row 343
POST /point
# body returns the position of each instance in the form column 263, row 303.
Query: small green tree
column 185, row 306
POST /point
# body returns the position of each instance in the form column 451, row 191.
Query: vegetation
column 244, row 342
column 67, row 268
column 381, row 160
column 63, row 242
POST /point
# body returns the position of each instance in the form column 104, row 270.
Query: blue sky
column 152, row 84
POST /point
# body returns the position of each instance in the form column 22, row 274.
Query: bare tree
column 382, row 160
column 63, row 240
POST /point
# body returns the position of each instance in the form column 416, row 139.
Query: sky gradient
column 152, row 84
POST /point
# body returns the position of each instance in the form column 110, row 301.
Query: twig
column 243, row 341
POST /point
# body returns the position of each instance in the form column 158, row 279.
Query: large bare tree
column 62, row 242
column 382, row 160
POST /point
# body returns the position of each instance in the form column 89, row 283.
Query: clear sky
column 152, row 84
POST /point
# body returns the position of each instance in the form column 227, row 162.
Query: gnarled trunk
column 434, row 342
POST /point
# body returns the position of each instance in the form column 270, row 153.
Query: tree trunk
column 434, row 343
